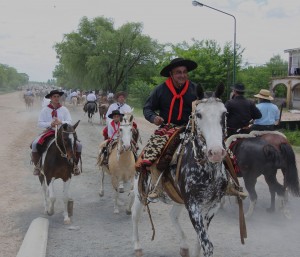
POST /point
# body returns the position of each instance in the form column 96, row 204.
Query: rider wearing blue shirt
column 269, row 111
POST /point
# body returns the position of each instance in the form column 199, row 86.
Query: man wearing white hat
column 269, row 111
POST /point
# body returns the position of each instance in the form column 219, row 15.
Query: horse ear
column 121, row 118
column 220, row 90
column 200, row 92
column 76, row 124
column 131, row 118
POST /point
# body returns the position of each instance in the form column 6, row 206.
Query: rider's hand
column 158, row 120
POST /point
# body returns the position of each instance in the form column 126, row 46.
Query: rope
column 56, row 143
column 151, row 221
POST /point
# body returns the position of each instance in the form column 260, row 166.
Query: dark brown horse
column 263, row 154
column 58, row 163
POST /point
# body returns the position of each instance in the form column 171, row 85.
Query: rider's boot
column 76, row 168
column 35, row 158
column 155, row 193
column 232, row 191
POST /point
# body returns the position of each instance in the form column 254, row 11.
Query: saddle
column 104, row 154
column 161, row 168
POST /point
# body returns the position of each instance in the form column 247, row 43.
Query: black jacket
column 240, row 112
column 160, row 101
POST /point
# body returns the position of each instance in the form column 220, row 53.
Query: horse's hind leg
column 130, row 202
column 136, row 214
column 66, row 199
column 45, row 195
column 274, row 187
column 250, row 186
column 174, row 216
column 51, row 197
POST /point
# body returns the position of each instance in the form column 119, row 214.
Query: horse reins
column 64, row 155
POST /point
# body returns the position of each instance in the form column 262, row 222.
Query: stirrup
column 231, row 190
column 153, row 194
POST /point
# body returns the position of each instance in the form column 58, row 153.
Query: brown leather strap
column 243, row 229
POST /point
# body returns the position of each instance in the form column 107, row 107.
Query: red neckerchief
column 170, row 85
column 54, row 112
column 116, row 128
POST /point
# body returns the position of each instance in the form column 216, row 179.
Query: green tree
column 101, row 57
column 215, row 64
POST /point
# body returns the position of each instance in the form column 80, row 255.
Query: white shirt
column 113, row 131
column 91, row 97
column 74, row 94
column 124, row 108
column 45, row 117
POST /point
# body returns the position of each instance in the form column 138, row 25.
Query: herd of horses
column 200, row 175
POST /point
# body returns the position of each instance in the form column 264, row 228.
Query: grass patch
column 293, row 137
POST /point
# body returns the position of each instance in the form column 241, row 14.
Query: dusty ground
column 96, row 231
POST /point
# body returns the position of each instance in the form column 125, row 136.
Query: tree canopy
column 10, row 78
column 99, row 56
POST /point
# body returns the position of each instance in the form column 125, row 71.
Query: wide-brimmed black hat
column 120, row 93
column 239, row 87
column 54, row 92
column 190, row 65
column 115, row 112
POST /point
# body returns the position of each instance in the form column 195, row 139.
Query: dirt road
column 96, row 231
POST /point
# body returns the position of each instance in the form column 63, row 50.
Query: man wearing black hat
column 240, row 111
column 169, row 107
column 52, row 115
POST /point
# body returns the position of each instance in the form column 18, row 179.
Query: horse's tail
column 291, row 175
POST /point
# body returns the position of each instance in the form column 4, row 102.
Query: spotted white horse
column 121, row 163
column 202, row 180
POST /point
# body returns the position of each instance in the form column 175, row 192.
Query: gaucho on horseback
column 53, row 115
column 169, row 107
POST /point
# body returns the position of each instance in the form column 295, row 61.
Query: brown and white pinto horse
column 58, row 164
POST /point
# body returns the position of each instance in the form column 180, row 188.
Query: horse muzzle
column 216, row 155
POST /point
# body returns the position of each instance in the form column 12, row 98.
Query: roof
column 293, row 50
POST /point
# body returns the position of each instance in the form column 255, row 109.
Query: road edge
column 35, row 240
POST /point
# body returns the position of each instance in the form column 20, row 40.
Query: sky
column 30, row 28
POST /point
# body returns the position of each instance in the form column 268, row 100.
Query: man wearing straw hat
column 269, row 111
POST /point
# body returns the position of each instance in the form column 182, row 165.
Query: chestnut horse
column 58, row 164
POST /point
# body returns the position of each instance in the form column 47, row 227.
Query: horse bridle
column 119, row 139
column 200, row 135
column 64, row 155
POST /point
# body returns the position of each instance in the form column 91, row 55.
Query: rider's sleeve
column 151, row 105
column 110, row 109
column 66, row 117
column 44, row 120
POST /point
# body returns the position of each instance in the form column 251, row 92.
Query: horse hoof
column 116, row 211
column 101, row 193
column 184, row 252
column 121, row 190
column 67, row 221
column 138, row 252
column 287, row 214
column 128, row 212
column 50, row 213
